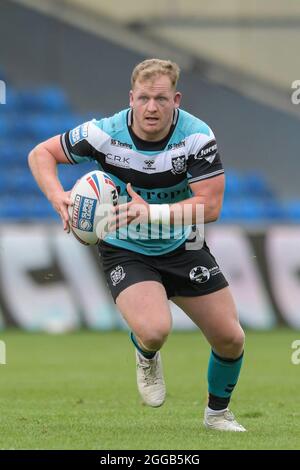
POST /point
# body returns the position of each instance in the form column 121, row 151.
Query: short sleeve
column 76, row 144
column 204, row 160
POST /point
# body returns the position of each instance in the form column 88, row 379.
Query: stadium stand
column 254, row 138
column 45, row 112
column 31, row 117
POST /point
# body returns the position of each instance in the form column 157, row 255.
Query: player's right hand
column 61, row 201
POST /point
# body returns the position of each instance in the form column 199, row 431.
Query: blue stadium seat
column 68, row 179
column 234, row 184
column 69, row 174
column 26, row 208
column 40, row 127
column 17, row 180
column 241, row 210
column 273, row 210
column 252, row 210
column 46, row 99
column 38, row 208
column 4, row 127
column 227, row 213
column 256, row 185
column 11, row 155
column 29, row 117
column 10, row 209
column 292, row 210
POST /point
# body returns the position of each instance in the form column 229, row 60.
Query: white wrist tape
column 160, row 213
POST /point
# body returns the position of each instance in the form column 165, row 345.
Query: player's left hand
column 136, row 210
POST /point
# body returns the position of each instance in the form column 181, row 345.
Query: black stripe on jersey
column 149, row 146
column 65, row 148
column 127, row 175
column 201, row 169
column 139, row 178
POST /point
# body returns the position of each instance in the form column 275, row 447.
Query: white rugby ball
column 93, row 196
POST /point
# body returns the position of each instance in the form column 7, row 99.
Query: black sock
column 217, row 403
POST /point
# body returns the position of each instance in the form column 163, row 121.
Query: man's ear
column 131, row 98
column 177, row 99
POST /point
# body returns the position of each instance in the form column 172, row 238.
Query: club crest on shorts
column 117, row 275
column 178, row 164
column 199, row 274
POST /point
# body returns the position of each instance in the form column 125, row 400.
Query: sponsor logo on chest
column 149, row 164
column 118, row 143
column 122, row 161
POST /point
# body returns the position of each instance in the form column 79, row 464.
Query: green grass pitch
column 78, row 391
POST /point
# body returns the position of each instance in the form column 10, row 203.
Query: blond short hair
column 151, row 68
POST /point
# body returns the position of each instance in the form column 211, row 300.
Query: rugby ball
column 93, row 196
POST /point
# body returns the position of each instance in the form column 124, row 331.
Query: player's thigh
column 145, row 307
column 215, row 314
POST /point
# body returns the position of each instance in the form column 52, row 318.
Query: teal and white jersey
column 160, row 172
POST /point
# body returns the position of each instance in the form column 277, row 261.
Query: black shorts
column 186, row 273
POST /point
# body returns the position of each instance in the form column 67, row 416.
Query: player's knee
column 232, row 345
column 155, row 338
column 238, row 341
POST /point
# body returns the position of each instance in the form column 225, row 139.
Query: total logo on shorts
column 117, row 275
column 199, row 274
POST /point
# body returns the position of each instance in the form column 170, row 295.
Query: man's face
column 153, row 102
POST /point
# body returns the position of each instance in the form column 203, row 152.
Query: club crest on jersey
column 117, row 275
column 178, row 164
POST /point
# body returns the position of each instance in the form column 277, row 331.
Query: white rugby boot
column 224, row 421
column 150, row 379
